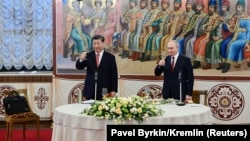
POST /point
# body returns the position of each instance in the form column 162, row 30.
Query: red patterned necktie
column 97, row 59
column 172, row 64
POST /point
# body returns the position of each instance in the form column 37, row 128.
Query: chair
column 197, row 95
column 21, row 118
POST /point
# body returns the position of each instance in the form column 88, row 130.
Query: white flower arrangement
column 121, row 109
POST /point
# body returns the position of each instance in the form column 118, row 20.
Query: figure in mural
column 174, row 24
column 189, row 13
column 153, row 49
column 212, row 54
column 75, row 40
column 192, row 30
column 147, row 28
column 135, row 36
column 239, row 25
column 247, row 53
column 128, row 18
column 96, row 15
column 107, row 25
column 209, row 24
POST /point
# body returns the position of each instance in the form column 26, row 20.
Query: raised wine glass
column 163, row 56
column 86, row 52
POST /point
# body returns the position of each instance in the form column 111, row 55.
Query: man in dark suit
column 101, row 70
column 175, row 71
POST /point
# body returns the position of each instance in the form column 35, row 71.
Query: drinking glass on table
column 104, row 92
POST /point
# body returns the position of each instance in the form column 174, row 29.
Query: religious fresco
column 213, row 34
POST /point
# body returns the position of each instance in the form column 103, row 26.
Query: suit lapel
column 178, row 62
column 93, row 55
column 169, row 60
column 100, row 64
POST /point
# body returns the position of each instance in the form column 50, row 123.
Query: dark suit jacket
column 171, row 85
column 107, row 74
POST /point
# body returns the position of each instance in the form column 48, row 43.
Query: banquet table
column 71, row 125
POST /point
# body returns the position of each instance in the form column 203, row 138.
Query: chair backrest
column 22, row 92
column 197, row 96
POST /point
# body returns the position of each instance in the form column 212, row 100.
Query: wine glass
column 104, row 91
column 86, row 55
column 163, row 56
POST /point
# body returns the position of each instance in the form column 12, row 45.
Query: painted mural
column 214, row 34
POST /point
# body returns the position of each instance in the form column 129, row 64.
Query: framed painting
column 137, row 31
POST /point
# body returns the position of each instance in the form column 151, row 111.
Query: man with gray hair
column 177, row 70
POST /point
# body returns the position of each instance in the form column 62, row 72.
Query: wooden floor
column 43, row 124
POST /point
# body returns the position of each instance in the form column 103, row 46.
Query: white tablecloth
column 71, row 125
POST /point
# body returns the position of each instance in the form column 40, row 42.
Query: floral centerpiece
column 120, row 109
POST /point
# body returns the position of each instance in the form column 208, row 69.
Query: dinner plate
column 171, row 101
column 180, row 103
column 88, row 101
column 156, row 101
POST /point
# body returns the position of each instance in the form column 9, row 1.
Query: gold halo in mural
column 93, row 3
column 114, row 3
column 71, row 1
